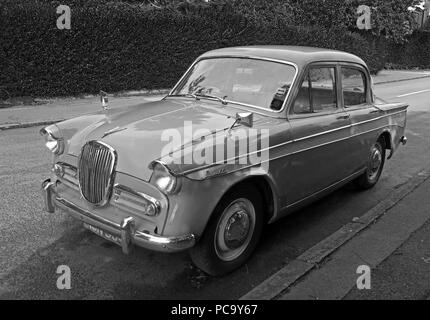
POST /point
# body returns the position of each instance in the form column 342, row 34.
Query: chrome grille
column 96, row 170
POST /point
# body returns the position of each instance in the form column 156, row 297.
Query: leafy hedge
column 118, row 46
column 414, row 54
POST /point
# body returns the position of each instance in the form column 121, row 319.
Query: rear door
column 357, row 101
column 320, row 132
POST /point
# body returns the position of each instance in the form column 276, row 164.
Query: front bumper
column 123, row 234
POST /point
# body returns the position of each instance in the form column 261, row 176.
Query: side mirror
column 104, row 99
column 245, row 118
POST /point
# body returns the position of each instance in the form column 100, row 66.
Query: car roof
column 301, row 56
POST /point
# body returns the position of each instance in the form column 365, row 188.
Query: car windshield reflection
column 253, row 82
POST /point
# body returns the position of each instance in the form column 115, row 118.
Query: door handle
column 344, row 117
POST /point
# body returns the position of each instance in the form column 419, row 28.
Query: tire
column 219, row 252
column 374, row 167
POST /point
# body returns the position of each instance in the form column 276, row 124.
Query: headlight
column 53, row 141
column 164, row 180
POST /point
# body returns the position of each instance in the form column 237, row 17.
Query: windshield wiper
column 192, row 95
column 222, row 100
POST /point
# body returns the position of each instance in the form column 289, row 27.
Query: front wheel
column 374, row 167
column 232, row 233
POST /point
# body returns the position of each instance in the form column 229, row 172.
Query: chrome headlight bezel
column 53, row 140
column 163, row 179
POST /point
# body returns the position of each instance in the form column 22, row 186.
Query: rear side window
column 353, row 87
column 317, row 92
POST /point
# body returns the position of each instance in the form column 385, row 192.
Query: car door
column 357, row 101
column 320, row 132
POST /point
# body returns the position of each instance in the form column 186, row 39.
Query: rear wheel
column 232, row 233
column 374, row 167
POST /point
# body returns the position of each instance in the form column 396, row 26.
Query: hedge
column 117, row 46
column 414, row 54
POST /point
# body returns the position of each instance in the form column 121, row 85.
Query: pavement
column 394, row 244
column 390, row 76
column 47, row 111
column 55, row 110
column 34, row 243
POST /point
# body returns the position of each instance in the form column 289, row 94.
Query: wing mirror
column 245, row 118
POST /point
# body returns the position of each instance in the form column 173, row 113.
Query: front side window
column 353, row 87
column 318, row 92
column 248, row 81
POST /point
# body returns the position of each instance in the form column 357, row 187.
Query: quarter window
column 317, row 92
column 353, row 87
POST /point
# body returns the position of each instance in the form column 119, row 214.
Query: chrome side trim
column 291, row 153
column 292, row 141
column 346, row 127
column 246, row 57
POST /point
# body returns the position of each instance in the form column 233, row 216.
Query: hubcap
column 375, row 162
column 235, row 229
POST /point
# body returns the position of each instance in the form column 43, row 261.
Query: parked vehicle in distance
column 308, row 120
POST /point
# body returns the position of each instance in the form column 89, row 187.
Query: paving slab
column 404, row 275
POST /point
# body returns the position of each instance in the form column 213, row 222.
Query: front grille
column 96, row 170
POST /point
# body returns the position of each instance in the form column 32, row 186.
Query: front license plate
column 104, row 234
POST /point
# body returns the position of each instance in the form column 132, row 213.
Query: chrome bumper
column 125, row 231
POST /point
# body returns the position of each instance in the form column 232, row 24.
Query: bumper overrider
column 123, row 234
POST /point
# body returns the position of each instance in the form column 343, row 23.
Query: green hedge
column 118, row 46
column 414, row 54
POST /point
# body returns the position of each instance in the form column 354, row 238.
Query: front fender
column 191, row 209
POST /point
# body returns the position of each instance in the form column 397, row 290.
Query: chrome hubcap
column 375, row 162
column 235, row 229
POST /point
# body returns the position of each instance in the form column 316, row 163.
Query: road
column 34, row 243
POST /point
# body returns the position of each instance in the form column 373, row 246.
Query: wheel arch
column 386, row 136
column 265, row 186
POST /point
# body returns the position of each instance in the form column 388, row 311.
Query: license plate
column 104, row 234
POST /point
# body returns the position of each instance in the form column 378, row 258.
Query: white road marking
column 412, row 93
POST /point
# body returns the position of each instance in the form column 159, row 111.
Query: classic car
column 247, row 136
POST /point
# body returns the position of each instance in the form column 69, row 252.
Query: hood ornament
column 104, row 99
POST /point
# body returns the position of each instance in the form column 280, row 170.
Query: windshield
column 248, row 81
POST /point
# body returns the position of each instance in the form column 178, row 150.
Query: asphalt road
column 34, row 243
